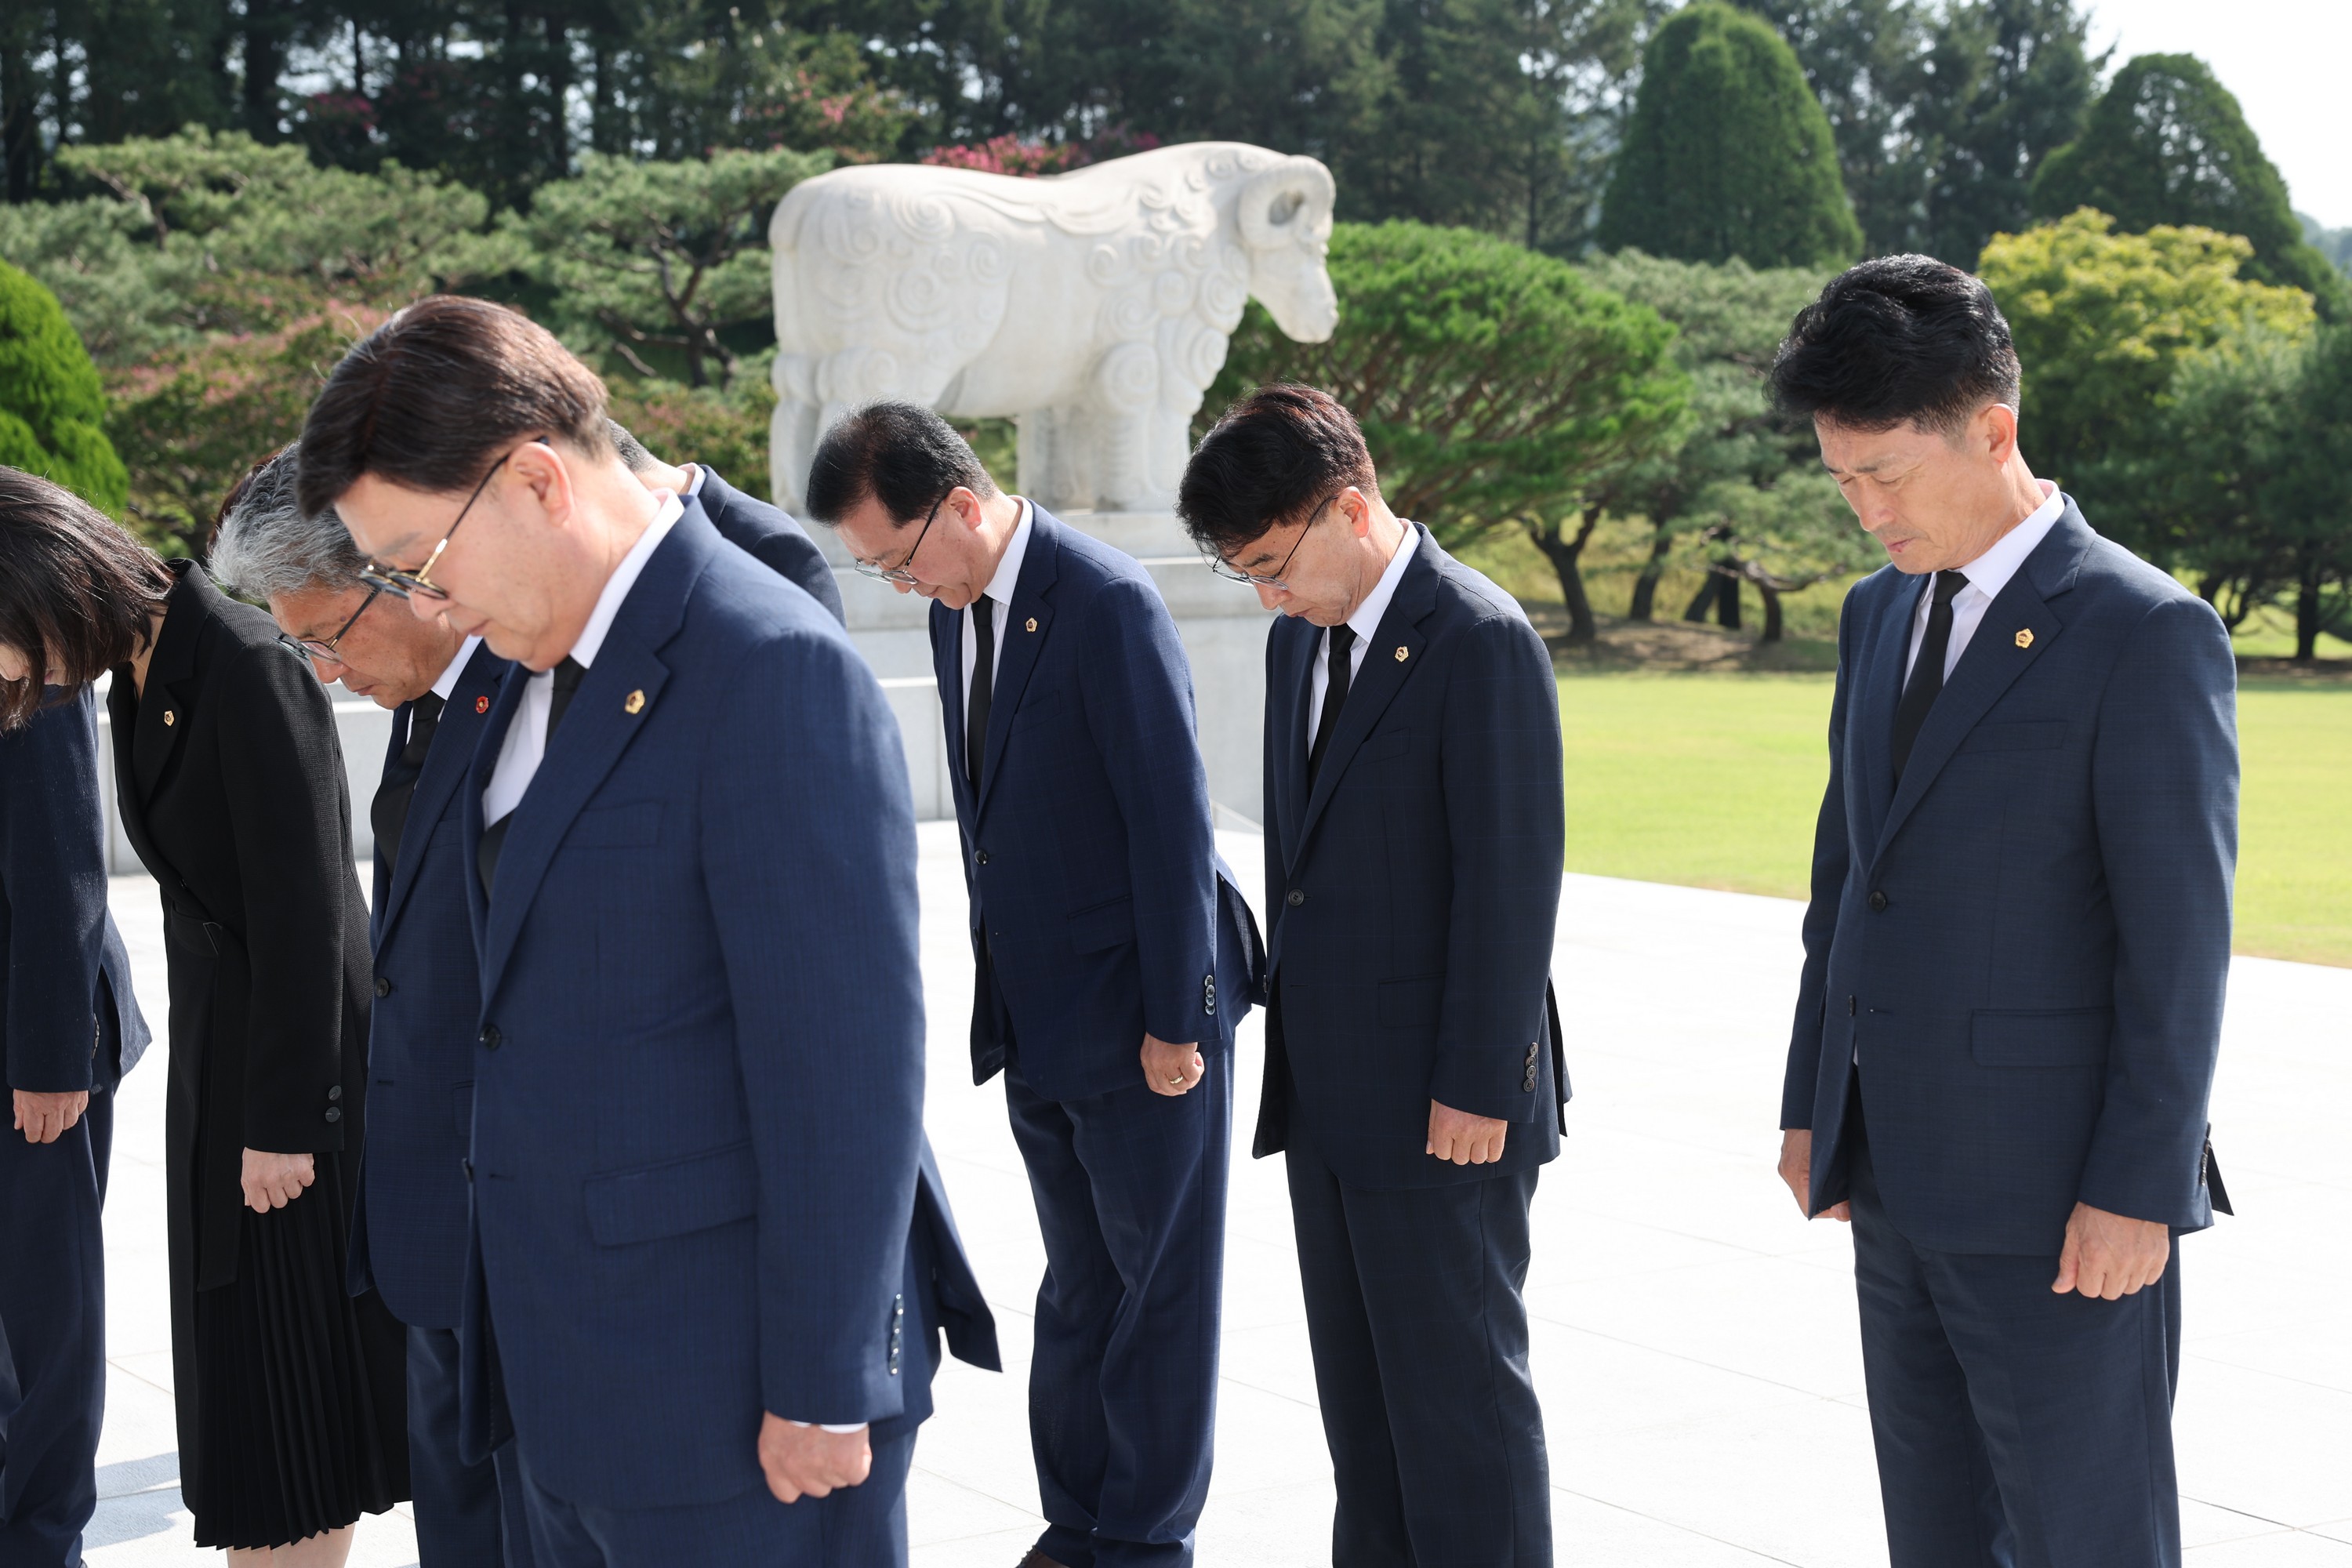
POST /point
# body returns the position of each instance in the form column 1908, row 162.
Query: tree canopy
column 1496, row 387
column 2168, row 144
column 1728, row 152
column 52, row 412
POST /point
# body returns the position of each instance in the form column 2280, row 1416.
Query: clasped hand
column 1171, row 1069
column 46, row 1118
column 273, row 1180
column 809, row 1461
column 1463, row 1139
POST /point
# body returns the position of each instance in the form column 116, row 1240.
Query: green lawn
column 1713, row 781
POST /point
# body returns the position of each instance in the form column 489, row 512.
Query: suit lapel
column 447, row 762
column 947, row 668
column 1878, row 692
column 1290, row 672
column 1391, row 660
column 163, row 711
column 2018, row 629
column 1027, row 622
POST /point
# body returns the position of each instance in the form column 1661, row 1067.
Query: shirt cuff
column 829, row 1427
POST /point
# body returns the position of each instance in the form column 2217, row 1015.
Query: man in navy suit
column 761, row 529
column 1415, row 1078
column 696, row 1147
column 2015, row 951
column 69, row 1028
column 409, row 1237
column 1114, row 959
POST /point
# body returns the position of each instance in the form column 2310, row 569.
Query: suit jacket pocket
column 674, row 1197
column 1037, row 708
column 2068, row 1037
column 2039, row 735
column 1099, row 927
column 616, row 827
column 1411, row 1003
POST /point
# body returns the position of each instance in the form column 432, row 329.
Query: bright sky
column 2290, row 64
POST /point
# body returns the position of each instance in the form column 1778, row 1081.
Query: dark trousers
column 1130, row 1192
column 864, row 1526
column 52, row 1337
column 2016, row 1427
column 1420, row 1335
column 467, row 1516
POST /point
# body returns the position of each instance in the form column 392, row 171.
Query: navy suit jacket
column 2027, row 940
column 1414, row 888
column 1090, row 852
column 409, row 1240
column 697, row 1118
column 768, row 534
column 54, row 932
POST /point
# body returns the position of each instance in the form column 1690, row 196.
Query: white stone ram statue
column 1094, row 306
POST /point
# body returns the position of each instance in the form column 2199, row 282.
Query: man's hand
column 1797, row 1170
column 1465, row 1138
column 273, row 1180
column 1171, row 1069
column 46, row 1118
column 809, row 1461
column 2109, row 1256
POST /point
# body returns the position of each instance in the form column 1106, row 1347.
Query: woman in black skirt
column 231, row 787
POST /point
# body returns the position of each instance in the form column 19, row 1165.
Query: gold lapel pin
column 1399, row 656
column 635, row 702
column 1032, row 623
column 168, row 716
column 2025, row 638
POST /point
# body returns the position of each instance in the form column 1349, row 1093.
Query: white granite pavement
column 1694, row 1340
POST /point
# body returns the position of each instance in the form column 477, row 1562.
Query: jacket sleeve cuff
column 1503, row 1082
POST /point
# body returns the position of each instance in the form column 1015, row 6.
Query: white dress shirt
column 998, row 598
column 1988, row 575
column 1364, row 623
column 525, row 739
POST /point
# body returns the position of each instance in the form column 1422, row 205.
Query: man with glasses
column 711, row 1255
column 409, row 1237
column 1114, row 959
column 1413, row 1077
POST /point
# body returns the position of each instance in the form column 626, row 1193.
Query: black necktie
column 1335, row 696
column 561, row 685
column 984, row 680
column 388, row 814
column 1928, row 669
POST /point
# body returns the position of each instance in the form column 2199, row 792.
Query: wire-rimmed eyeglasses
column 899, row 573
column 312, row 648
column 410, row 584
column 1232, row 573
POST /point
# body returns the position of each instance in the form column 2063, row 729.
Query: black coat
column 231, row 785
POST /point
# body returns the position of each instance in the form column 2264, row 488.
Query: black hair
column 1903, row 339
column 76, row 591
column 1273, row 457
column 634, row 455
column 904, row 456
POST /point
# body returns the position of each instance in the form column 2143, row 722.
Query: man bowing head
column 2014, row 957
column 698, row 1069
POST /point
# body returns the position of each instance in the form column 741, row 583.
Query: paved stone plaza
column 1694, row 1340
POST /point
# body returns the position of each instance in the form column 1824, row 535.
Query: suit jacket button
column 1528, row 1083
column 468, row 1167
column 334, row 1113
column 490, row 1036
column 383, row 986
column 1877, row 901
column 335, row 1093
column 1849, row 1006
column 1296, row 896
column 981, row 857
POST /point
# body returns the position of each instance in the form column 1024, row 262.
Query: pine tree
column 1728, row 153
column 52, row 412
column 2168, row 144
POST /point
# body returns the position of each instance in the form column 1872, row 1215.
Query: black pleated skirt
column 300, row 1394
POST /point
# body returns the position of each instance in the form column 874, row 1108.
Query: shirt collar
column 1366, row 622
column 694, row 485
column 1989, row 573
column 448, row 681
column 623, row 578
column 1008, row 570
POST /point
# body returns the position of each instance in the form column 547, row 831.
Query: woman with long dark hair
column 231, row 786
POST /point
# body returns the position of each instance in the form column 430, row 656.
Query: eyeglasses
column 311, row 648
column 1225, row 569
column 409, row 585
column 898, row 573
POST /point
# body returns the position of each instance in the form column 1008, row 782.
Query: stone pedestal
column 1223, row 627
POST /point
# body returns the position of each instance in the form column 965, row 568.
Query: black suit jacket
column 770, row 536
column 1413, row 890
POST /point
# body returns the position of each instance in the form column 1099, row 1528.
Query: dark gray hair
column 634, row 455
column 266, row 547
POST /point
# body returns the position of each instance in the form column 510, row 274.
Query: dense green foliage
column 2168, row 144
column 1728, row 152
column 52, row 413
column 1498, row 387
